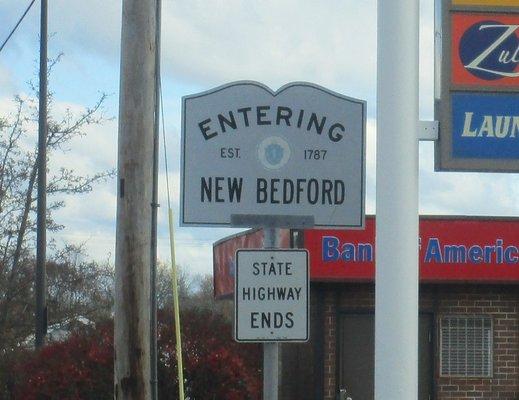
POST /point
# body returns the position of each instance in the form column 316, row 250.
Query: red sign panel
column 451, row 250
column 485, row 49
column 224, row 257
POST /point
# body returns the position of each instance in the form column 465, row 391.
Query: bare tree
column 18, row 174
column 79, row 288
column 164, row 287
column 195, row 292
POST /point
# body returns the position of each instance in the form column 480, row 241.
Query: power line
column 16, row 26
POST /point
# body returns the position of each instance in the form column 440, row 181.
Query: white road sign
column 271, row 296
column 247, row 150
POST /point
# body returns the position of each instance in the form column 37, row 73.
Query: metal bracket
column 272, row 221
column 428, row 130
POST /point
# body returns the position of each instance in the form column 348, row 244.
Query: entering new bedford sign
column 248, row 150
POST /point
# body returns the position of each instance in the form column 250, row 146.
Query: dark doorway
column 357, row 355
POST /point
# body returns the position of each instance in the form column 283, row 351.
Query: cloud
column 332, row 43
column 272, row 41
column 208, row 43
column 93, row 26
column 458, row 193
column 7, row 83
column 95, row 150
column 90, row 217
column 426, row 73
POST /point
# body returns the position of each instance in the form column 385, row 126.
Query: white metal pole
column 396, row 304
column 135, row 177
column 270, row 371
column 270, row 350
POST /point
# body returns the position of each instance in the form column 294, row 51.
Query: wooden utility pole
column 134, row 202
column 155, row 209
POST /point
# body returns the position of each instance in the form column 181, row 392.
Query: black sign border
column 274, row 93
column 235, row 319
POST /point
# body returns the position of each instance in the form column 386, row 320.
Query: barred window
column 466, row 346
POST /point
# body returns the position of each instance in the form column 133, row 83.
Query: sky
column 206, row 44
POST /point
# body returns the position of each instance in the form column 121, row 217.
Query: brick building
column 469, row 312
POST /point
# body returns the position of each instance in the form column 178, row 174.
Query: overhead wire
column 16, row 26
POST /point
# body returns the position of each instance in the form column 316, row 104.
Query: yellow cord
column 174, row 278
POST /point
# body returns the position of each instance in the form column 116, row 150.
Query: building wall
column 301, row 369
column 499, row 302
column 502, row 304
column 330, row 343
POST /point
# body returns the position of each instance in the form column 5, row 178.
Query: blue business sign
column 477, row 91
column 485, row 125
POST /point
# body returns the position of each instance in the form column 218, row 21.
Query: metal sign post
column 396, row 284
column 271, row 301
column 270, row 350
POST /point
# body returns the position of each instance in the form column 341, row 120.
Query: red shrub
column 215, row 367
column 78, row 368
column 81, row 368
